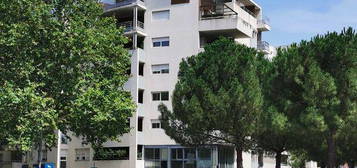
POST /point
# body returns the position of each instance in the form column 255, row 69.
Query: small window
column 140, row 124
column 141, row 96
column 179, row 1
column 44, row 155
column 82, row 154
column 160, row 69
column 155, row 124
column 161, row 15
column 64, row 139
column 141, row 69
column 161, row 42
column 160, row 96
column 140, row 152
column 156, row 96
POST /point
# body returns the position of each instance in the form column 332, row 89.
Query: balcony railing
column 129, row 26
column 248, row 11
column 213, row 11
column 264, row 20
column 120, row 4
column 263, row 46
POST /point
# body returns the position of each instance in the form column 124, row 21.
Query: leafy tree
column 274, row 132
column 322, row 88
column 62, row 66
column 217, row 98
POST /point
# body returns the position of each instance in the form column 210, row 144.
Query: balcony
column 129, row 26
column 264, row 24
column 123, row 4
column 264, row 47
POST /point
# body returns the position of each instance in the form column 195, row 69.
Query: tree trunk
column 331, row 156
column 239, row 151
column 260, row 158
column 39, row 155
column 278, row 160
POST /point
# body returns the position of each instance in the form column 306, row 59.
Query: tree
column 217, row 98
column 274, row 132
column 322, row 90
column 62, row 67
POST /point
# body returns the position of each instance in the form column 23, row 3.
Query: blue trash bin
column 45, row 165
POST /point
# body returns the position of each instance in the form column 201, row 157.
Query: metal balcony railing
column 263, row 46
column 129, row 26
column 213, row 11
column 120, row 4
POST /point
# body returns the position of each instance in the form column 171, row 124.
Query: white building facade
column 162, row 33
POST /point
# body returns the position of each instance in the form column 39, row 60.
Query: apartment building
column 162, row 33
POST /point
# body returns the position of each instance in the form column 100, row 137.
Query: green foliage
column 320, row 90
column 217, row 98
column 62, row 66
column 110, row 154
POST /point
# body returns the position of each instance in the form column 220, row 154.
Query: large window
column 161, row 15
column 160, row 96
column 156, row 157
column 82, row 154
column 160, row 69
column 161, row 42
column 183, row 157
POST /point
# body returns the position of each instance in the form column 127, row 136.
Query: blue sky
column 295, row 20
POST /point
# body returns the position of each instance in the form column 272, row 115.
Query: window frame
column 160, row 42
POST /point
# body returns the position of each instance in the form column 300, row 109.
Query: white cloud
column 339, row 15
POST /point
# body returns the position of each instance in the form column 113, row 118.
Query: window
column 64, row 139
column 63, row 162
column 16, row 156
column 155, row 124
column 161, row 42
column 161, row 15
column 82, row 154
column 140, row 124
column 179, row 1
column 63, row 158
column 44, row 155
column 141, row 69
column 183, row 157
column 115, row 153
column 140, row 152
column 160, row 96
column 160, row 69
column 156, row 157
column 141, row 96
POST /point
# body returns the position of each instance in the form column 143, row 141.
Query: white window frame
column 160, row 69
column 160, row 42
column 160, row 13
column 155, row 122
column 160, row 95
